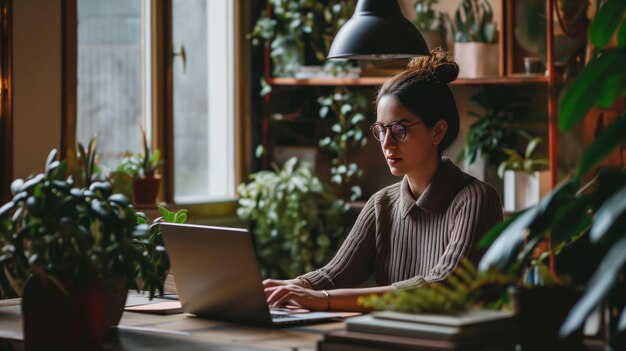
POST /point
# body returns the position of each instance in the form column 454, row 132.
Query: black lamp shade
column 377, row 30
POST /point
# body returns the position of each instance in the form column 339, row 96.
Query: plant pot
column 477, row 60
column 146, row 190
column 70, row 316
column 522, row 190
column 540, row 312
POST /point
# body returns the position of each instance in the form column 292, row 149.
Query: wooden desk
column 140, row 331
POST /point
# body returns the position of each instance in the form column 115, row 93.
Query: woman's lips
column 392, row 161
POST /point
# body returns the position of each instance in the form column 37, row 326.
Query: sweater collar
column 444, row 181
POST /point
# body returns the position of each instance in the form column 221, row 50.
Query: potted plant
column 72, row 253
column 349, row 112
column 474, row 34
column 591, row 213
column 142, row 168
column 295, row 218
column 526, row 179
column 497, row 127
column 294, row 28
column 430, row 23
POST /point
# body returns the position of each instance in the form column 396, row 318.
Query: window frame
column 161, row 78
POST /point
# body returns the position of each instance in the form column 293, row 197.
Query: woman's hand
column 268, row 283
column 291, row 294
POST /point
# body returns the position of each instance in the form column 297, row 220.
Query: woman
column 418, row 229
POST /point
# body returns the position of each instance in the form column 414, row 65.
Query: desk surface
column 140, row 331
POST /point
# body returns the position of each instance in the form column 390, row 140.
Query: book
column 470, row 324
column 343, row 340
column 166, row 307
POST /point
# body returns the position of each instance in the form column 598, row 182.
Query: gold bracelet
column 327, row 299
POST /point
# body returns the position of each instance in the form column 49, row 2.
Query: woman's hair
column 423, row 90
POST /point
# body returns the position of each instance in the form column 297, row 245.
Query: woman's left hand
column 283, row 295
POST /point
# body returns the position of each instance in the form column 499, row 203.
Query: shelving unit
column 373, row 81
column 507, row 77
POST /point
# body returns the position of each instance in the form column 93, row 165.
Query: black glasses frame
column 402, row 131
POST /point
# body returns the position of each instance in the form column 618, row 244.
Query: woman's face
column 418, row 149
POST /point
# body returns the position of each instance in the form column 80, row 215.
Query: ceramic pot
column 69, row 315
column 523, row 190
column 146, row 190
column 477, row 60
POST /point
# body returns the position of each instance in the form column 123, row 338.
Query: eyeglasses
column 398, row 130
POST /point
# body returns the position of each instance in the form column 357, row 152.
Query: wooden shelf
column 369, row 81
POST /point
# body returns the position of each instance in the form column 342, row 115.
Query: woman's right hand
column 268, row 283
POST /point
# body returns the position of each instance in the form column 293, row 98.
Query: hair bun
column 440, row 66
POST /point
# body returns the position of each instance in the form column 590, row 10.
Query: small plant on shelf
column 428, row 19
column 473, row 22
column 523, row 163
column 142, row 169
column 348, row 111
column 297, row 26
column 497, row 126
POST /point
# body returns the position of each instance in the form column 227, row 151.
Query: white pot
column 477, row 60
column 522, row 190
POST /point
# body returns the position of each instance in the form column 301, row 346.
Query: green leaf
column 621, row 35
column 606, row 22
column 495, row 232
column 608, row 215
column 49, row 161
column 598, row 287
column 611, row 138
column 532, row 144
column 599, row 81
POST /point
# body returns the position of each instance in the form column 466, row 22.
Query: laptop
column 217, row 277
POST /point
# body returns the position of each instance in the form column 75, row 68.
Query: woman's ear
column 439, row 131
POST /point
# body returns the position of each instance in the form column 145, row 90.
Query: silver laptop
column 217, row 276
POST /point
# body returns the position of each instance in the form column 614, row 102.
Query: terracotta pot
column 541, row 310
column 146, row 190
column 477, row 60
column 71, row 316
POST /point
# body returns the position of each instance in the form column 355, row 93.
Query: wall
column 36, row 83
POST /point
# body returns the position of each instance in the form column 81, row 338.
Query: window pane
column 203, row 103
column 111, row 94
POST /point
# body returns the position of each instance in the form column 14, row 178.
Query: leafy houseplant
column 526, row 179
column 430, row 23
column 496, row 128
column 142, row 168
column 474, row 32
column 64, row 246
column 592, row 213
column 294, row 26
column 349, row 112
column 295, row 219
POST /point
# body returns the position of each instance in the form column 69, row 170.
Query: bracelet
column 327, row 299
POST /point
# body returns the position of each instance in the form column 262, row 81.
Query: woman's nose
column 388, row 142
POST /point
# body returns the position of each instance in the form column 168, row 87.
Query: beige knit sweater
column 406, row 242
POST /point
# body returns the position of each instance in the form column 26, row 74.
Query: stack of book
column 477, row 330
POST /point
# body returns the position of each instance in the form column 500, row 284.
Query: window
column 112, row 65
column 115, row 89
column 204, row 164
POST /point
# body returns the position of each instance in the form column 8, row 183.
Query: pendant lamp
column 377, row 30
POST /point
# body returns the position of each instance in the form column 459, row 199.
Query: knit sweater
column 406, row 242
